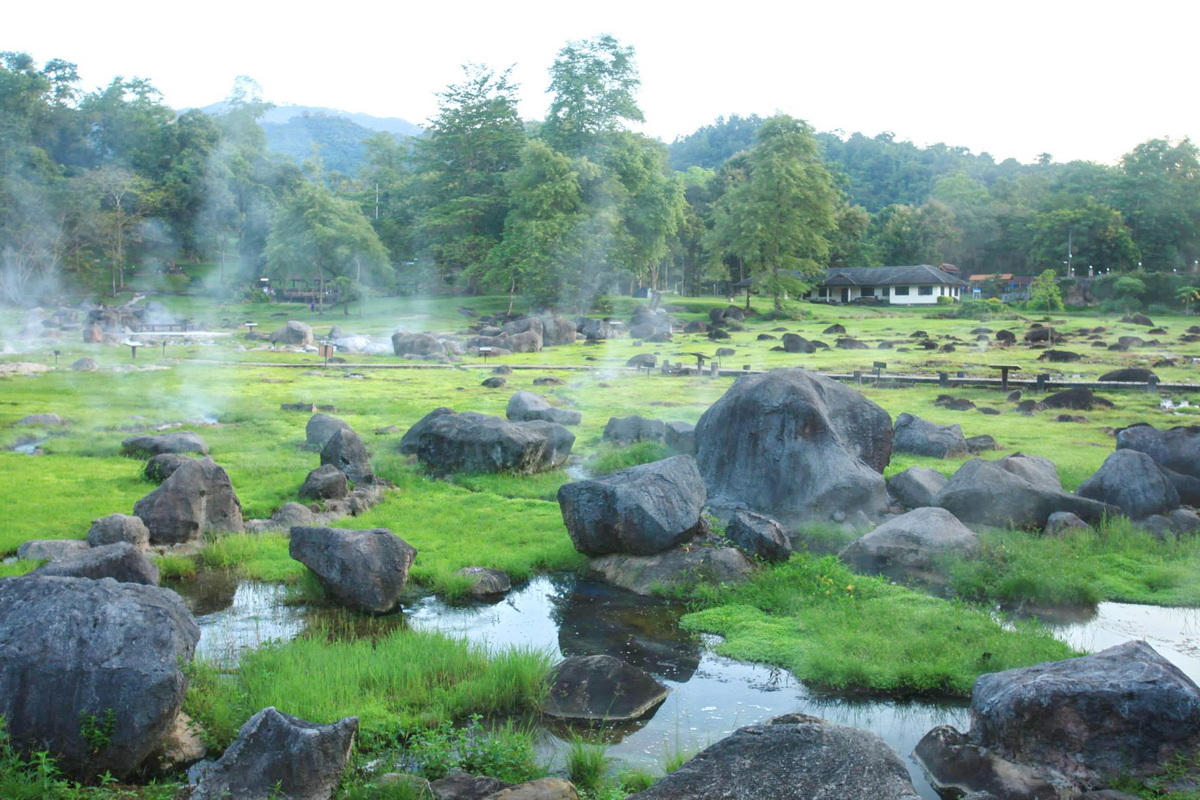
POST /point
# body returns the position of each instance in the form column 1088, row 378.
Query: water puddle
column 1173, row 632
column 711, row 696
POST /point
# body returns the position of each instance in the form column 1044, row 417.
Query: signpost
column 485, row 352
column 325, row 350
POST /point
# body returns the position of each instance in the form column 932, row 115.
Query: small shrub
column 505, row 753
column 587, row 764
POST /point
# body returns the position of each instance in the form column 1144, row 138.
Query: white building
column 916, row 285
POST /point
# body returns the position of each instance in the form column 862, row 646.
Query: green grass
column 400, row 680
column 1117, row 562
column 614, row 458
column 262, row 557
column 587, row 765
column 851, row 633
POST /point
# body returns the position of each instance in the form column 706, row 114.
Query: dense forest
column 562, row 210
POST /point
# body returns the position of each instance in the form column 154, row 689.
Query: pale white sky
column 1086, row 80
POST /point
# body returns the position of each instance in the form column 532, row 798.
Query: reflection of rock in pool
column 596, row 619
column 207, row 591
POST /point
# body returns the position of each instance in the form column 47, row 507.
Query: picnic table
column 1004, row 370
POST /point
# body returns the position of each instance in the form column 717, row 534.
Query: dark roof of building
column 889, row 276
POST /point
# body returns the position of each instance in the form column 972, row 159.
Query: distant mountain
column 337, row 136
column 281, row 115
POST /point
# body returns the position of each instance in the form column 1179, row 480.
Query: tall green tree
column 1159, row 197
column 469, row 147
column 1095, row 232
column 320, row 236
column 594, row 83
column 781, row 216
column 906, row 235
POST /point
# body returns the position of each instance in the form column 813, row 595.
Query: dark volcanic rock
column 479, row 443
column 758, row 535
column 278, row 755
column 641, row 510
column 794, row 445
column 681, row 437
column 346, row 451
column 121, row 561
column 916, row 487
column 920, row 437
column 1079, row 398
column 790, row 758
column 50, row 549
column 1134, row 483
column 627, row 430
column 364, row 569
column 417, row 344
column 795, row 343
column 495, row 382
column 601, row 688
column 197, row 497
column 1177, row 449
column 1123, row 711
column 295, row 333
column 321, row 428
column 911, row 546
column 1129, row 375
column 1015, row 490
column 1059, row 356
column 408, row 442
column 677, row 568
column 326, row 482
column 153, row 444
column 527, row 406
column 72, row 646
column 119, row 528
column 485, row 581
column 160, row 467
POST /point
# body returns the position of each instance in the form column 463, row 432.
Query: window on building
column 823, row 292
column 901, row 291
column 886, row 291
column 867, row 291
column 925, row 290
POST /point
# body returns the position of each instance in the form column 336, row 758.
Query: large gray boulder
column 295, row 333
column 363, row 569
column 912, row 546
column 641, row 510
column 1177, row 449
column 121, row 561
column 601, row 688
column 1083, row 722
column 794, row 445
column 197, row 497
column 278, row 755
column 528, row 342
column 1015, row 490
column 346, row 451
column 916, row 487
column 154, row 444
column 923, row 438
column 90, row 670
column 411, row 437
column 794, row 757
column 471, row 442
column 417, row 344
column 527, row 406
column 1131, row 481
column 627, row 430
column 523, row 325
column 119, row 528
column 158, row 468
column 321, row 428
column 557, row 330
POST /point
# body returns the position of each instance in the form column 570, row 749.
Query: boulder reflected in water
column 596, row 619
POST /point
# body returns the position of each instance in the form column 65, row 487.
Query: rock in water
column 790, row 758
column 911, row 546
column 601, row 688
column 278, row 755
column 197, row 497
column 478, row 443
column 90, row 670
column 1123, row 711
column 1134, row 483
column 794, row 445
column 641, row 510
column 364, row 569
